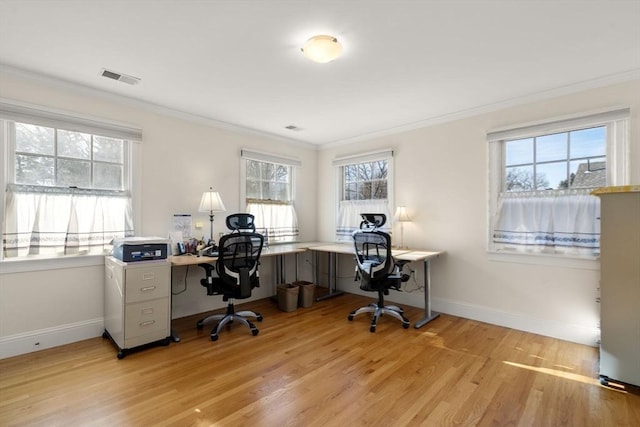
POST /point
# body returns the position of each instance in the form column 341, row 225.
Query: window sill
column 28, row 265
column 556, row 260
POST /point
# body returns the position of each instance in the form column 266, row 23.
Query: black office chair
column 237, row 269
column 376, row 268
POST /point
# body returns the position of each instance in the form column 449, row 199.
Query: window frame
column 616, row 122
column 352, row 160
column 292, row 163
column 15, row 111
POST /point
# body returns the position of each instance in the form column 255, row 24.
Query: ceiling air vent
column 119, row 77
column 293, row 127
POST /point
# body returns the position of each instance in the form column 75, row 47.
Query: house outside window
column 364, row 184
column 542, row 178
column 67, row 183
column 269, row 193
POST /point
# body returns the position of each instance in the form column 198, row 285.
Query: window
column 67, row 184
column 543, row 175
column 269, row 194
column 364, row 182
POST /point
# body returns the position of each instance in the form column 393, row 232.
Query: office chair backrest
column 241, row 222
column 239, row 254
column 372, row 221
column 373, row 257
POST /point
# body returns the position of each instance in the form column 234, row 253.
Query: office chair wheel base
column 121, row 354
column 259, row 319
column 255, row 332
column 200, row 324
column 372, row 328
column 405, row 325
column 214, row 337
column 350, row 317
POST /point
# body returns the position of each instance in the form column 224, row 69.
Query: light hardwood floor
column 313, row 367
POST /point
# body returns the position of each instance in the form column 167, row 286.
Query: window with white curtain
column 542, row 177
column 269, row 192
column 67, row 183
column 364, row 183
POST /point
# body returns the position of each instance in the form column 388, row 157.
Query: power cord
column 186, row 274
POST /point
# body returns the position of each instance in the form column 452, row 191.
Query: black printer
column 132, row 249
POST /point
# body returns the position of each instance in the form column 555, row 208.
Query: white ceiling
column 405, row 63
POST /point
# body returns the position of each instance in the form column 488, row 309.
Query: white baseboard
column 14, row 345
column 581, row 334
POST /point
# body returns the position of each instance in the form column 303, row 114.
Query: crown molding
column 146, row 106
column 511, row 102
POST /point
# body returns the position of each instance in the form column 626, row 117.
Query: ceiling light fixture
column 322, row 49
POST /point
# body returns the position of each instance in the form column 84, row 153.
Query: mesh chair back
column 372, row 221
column 238, row 260
column 373, row 258
column 240, row 222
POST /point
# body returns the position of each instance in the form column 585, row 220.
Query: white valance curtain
column 279, row 221
column 349, row 218
column 275, row 219
column 52, row 221
column 564, row 221
column 46, row 222
column 349, row 211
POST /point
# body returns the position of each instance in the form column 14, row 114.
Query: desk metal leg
column 428, row 314
column 333, row 272
column 174, row 336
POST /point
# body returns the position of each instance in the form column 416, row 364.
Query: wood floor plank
column 312, row 367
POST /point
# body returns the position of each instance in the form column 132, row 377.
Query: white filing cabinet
column 137, row 303
column 620, row 285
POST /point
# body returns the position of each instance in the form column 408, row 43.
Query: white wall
column 441, row 175
column 180, row 159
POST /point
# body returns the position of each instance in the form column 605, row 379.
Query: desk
column 425, row 257
column 279, row 251
column 333, row 250
column 398, row 254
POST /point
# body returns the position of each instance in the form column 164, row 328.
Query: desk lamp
column 211, row 202
column 402, row 216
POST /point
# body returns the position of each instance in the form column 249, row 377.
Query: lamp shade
column 211, row 202
column 401, row 214
column 322, row 49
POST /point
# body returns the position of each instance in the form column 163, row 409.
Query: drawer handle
column 148, row 289
column 147, row 323
column 148, row 276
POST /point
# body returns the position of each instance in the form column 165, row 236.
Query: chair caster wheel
column 259, row 318
column 200, row 324
column 255, row 332
column 350, row 317
column 372, row 329
column 405, row 325
column 214, row 337
column 121, row 354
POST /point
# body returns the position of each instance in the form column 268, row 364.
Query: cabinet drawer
column 147, row 283
column 147, row 317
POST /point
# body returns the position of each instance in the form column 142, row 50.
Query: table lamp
column 402, row 216
column 211, row 202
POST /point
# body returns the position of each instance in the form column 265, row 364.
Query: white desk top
column 417, row 255
column 274, row 250
column 292, row 248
